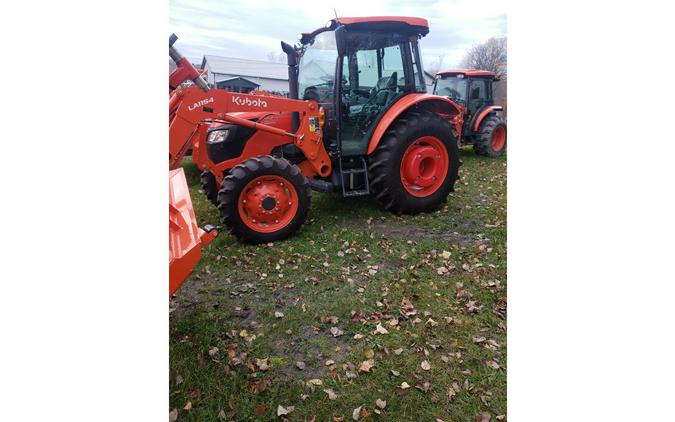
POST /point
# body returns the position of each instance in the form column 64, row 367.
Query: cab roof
column 395, row 23
column 466, row 72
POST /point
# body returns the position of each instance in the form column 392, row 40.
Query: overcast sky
column 251, row 29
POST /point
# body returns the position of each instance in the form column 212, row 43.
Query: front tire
column 264, row 199
column 416, row 164
column 209, row 186
column 490, row 141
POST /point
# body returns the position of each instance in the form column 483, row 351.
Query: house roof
column 467, row 72
column 245, row 67
column 237, row 81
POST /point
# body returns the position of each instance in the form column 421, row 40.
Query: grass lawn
column 363, row 301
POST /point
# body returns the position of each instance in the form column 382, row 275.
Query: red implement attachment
column 185, row 237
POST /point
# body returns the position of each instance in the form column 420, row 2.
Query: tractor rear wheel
column 209, row 186
column 264, row 199
column 490, row 141
column 416, row 164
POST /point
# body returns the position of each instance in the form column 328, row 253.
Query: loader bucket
column 185, row 237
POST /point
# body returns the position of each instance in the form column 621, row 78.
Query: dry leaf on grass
column 300, row 365
column 379, row 329
column 331, row 394
column 368, row 353
column 366, row 365
column 281, row 411
column 425, row 365
column 278, row 314
column 336, row 332
column 213, row 351
column 187, row 406
column 380, row 403
column 262, row 364
column 173, row 415
column 483, row 417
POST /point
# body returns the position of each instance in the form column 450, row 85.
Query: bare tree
column 273, row 57
column 491, row 55
column 436, row 65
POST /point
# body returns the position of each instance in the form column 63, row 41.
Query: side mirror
column 341, row 40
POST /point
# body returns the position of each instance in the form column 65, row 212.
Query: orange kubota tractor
column 483, row 127
column 359, row 122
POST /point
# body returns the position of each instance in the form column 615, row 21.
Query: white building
column 242, row 75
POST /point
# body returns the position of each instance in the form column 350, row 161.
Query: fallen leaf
column 179, row 380
column 425, row 365
column 379, row 329
column 366, row 365
column 213, row 351
column 395, row 372
column 404, row 386
column 500, row 417
column 356, row 413
column 479, row 339
column 173, row 415
column 451, row 393
column 492, row 364
column 380, row 403
column 398, row 351
column 300, row 365
column 243, row 333
column 423, row 386
column 315, row 381
column 281, row 411
column 483, row 417
column 368, row 353
column 446, row 254
column 331, row 394
column 187, row 406
column 262, row 364
column 336, row 332
column 330, row 362
column 407, row 308
column 278, row 314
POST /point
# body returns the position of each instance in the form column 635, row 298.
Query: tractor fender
column 483, row 114
column 437, row 104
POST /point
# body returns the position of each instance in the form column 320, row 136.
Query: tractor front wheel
column 416, row 164
column 490, row 141
column 209, row 186
column 264, row 199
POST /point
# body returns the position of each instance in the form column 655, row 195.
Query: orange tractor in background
column 472, row 90
column 359, row 122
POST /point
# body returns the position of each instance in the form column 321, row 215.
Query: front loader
column 359, row 122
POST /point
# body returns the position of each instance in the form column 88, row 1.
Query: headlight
column 217, row 136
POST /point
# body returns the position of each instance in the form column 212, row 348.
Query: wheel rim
column 498, row 138
column 268, row 203
column 424, row 166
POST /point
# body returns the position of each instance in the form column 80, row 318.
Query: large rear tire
column 490, row 141
column 264, row 199
column 416, row 164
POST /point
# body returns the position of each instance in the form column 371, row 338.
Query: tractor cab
column 356, row 68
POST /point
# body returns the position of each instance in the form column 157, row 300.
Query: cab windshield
column 316, row 74
column 452, row 87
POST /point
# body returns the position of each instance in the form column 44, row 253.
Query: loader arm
column 190, row 108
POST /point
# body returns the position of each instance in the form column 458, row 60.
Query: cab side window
column 477, row 94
